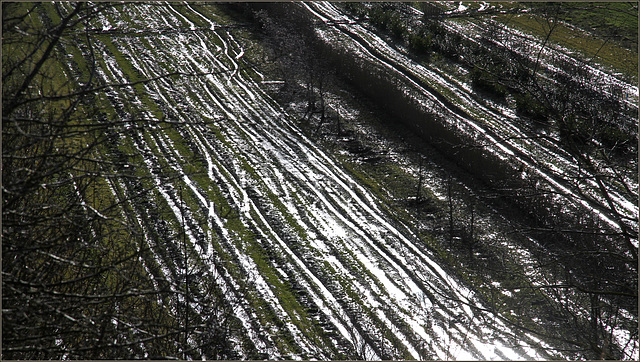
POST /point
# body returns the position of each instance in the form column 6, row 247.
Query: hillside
column 325, row 181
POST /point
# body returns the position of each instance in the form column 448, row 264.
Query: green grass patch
column 603, row 51
column 616, row 21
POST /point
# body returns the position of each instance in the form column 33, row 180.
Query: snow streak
column 304, row 253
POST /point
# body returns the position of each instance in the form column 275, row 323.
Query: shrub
column 379, row 18
column 396, row 26
column 483, row 80
column 574, row 130
column 528, row 106
column 419, row 43
column 615, row 139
